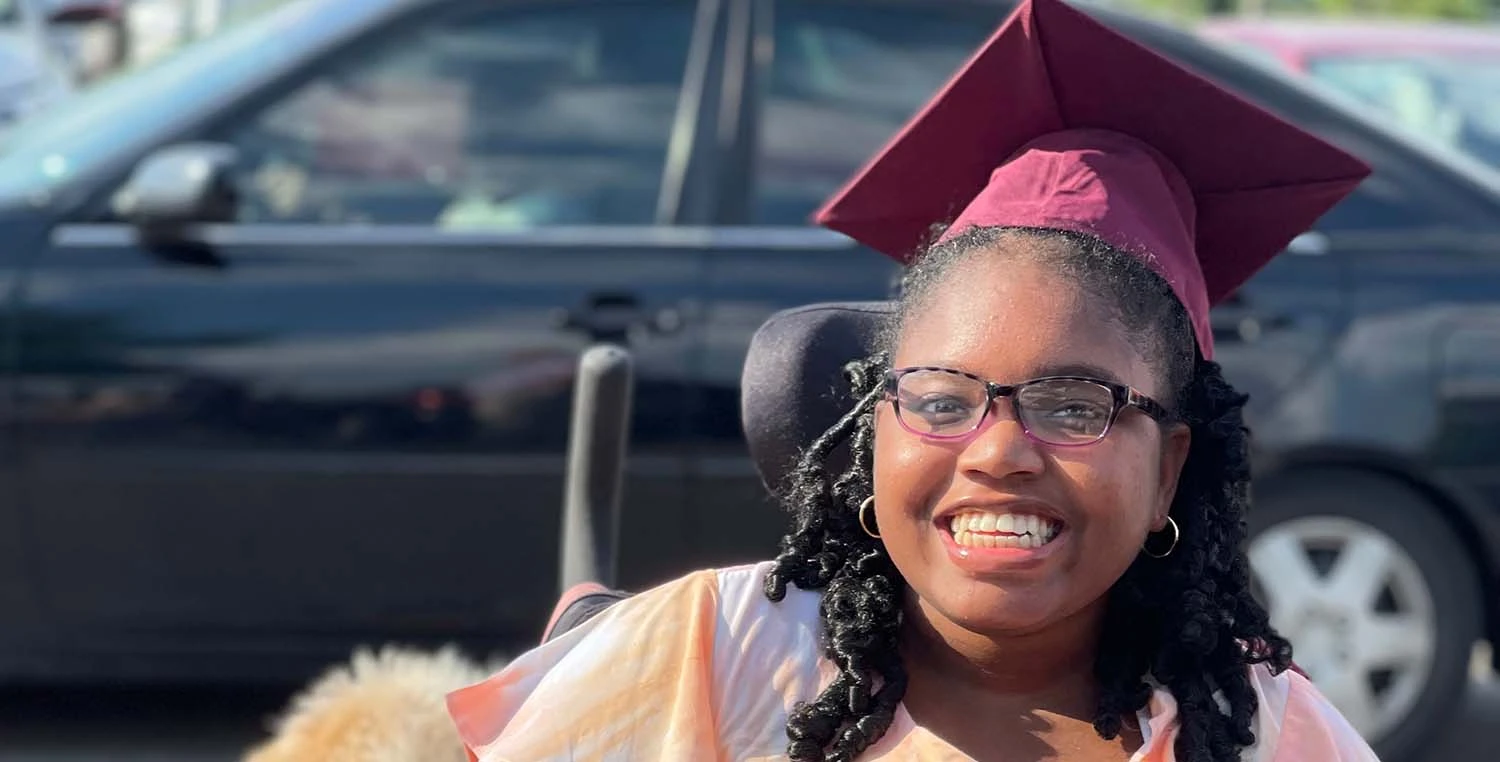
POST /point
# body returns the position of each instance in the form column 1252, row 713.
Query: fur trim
column 380, row 707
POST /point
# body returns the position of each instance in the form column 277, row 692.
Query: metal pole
column 596, row 458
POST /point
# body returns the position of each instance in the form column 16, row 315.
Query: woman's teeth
column 981, row 529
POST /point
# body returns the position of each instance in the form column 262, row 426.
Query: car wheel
column 1377, row 594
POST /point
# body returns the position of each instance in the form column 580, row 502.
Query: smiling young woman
column 1034, row 550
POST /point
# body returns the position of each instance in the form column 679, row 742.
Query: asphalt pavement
column 164, row 725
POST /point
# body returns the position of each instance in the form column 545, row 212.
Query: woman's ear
column 1177, row 440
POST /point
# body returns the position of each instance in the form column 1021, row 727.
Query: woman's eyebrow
column 1041, row 371
column 1079, row 369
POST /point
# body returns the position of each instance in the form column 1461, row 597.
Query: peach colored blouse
column 706, row 668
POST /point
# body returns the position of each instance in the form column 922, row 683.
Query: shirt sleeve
column 634, row 682
column 1312, row 728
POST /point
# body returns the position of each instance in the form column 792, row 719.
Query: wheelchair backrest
column 793, row 388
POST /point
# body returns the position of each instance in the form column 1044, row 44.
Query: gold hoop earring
column 865, row 506
column 1176, row 535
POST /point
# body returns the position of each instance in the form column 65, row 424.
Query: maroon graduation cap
column 1059, row 122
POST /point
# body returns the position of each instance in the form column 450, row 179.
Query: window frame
column 756, row 51
column 684, row 144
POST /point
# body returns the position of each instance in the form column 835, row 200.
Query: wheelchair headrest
column 793, row 388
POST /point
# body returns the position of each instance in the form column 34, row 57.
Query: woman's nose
column 1000, row 446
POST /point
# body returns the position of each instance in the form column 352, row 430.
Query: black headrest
column 793, row 388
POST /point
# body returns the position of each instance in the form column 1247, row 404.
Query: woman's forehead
column 1015, row 321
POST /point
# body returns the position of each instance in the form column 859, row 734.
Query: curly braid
column 1187, row 621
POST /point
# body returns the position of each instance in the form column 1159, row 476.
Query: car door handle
column 618, row 317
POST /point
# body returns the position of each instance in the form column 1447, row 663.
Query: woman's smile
column 1002, row 538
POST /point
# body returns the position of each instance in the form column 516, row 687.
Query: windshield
column 1448, row 98
column 123, row 113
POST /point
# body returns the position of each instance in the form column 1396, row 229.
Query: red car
column 1438, row 80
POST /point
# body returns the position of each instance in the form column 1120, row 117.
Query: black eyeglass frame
column 1122, row 396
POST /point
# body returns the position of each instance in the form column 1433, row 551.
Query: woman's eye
column 1082, row 409
column 1078, row 412
column 941, row 408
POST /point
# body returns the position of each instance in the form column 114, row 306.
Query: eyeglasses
column 1066, row 411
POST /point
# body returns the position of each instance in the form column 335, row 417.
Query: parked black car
column 291, row 318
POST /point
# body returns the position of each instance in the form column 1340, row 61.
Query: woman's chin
column 1001, row 614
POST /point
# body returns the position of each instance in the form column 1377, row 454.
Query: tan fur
column 380, row 707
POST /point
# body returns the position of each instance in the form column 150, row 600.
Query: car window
column 500, row 117
column 844, row 79
column 1384, row 202
column 1448, row 99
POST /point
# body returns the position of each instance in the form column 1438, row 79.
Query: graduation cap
column 1059, row 122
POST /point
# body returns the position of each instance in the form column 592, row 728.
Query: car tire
column 1401, row 636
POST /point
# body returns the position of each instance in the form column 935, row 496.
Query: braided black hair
column 1188, row 621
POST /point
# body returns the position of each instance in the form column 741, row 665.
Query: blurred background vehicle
column 96, row 34
column 1441, row 82
column 292, row 315
column 35, row 72
column 84, row 38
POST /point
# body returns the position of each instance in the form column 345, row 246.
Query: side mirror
column 184, row 184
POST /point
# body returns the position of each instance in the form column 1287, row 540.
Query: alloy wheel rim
column 1358, row 611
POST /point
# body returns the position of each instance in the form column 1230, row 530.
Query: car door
column 1423, row 345
column 350, row 419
